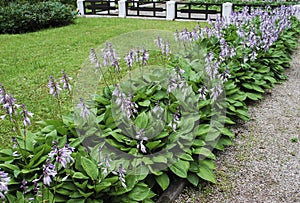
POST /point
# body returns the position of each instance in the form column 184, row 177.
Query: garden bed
column 130, row 142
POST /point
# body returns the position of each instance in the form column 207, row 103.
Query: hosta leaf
column 253, row 96
column 141, row 121
column 101, row 186
column 193, row 179
column 223, row 141
column 207, row 163
column 163, row 181
column 160, row 159
column 144, row 103
column 180, row 168
column 90, row 167
column 154, row 144
column 263, row 69
column 226, row 131
column 203, row 129
column 243, row 114
column 139, row 192
column 206, row 153
column 206, row 174
column 186, row 157
column 9, row 166
column 79, row 175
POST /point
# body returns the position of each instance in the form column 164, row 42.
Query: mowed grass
column 27, row 60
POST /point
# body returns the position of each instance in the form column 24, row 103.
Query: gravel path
column 263, row 165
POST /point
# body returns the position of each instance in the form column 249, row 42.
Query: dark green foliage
column 27, row 17
column 71, row 3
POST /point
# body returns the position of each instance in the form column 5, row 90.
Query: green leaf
column 79, row 175
column 186, row 157
column 101, row 186
column 9, row 166
column 180, row 168
column 253, row 96
column 203, row 129
column 243, row 114
column 226, row 131
column 139, row 193
column 141, row 121
column 85, row 194
column 163, row 181
column 193, row 179
column 160, row 159
column 207, row 153
column 144, row 103
column 154, row 144
column 90, row 167
column 35, row 157
column 206, row 174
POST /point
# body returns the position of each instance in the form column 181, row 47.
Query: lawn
column 27, row 60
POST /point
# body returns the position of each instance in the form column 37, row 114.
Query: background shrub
column 28, row 17
column 70, row 3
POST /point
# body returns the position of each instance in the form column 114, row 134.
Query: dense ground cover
column 27, row 60
column 147, row 130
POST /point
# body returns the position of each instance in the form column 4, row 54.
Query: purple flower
column 130, row 58
column 185, row 35
column 141, row 145
column 53, row 87
column 48, row 172
column 253, row 55
column 63, row 155
column 224, row 76
column 144, row 57
column 85, row 112
column 36, row 187
column 125, row 103
column 110, row 56
column 158, row 111
column 65, row 80
column 121, row 173
column 26, row 114
column 216, row 91
column 176, row 81
column 24, row 186
column 202, row 93
column 9, row 104
column 94, row 59
column 4, row 179
column 164, row 46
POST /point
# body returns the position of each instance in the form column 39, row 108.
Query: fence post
column 227, row 11
column 80, row 7
column 112, row 4
column 297, row 8
column 170, row 7
column 122, row 8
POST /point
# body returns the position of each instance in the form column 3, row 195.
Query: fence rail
column 146, row 9
column 100, row 7
column 197, row 11
column 170, row 10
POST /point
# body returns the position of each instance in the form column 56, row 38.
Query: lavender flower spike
column 65, row 80
column 53, row 87
column 121, row 172
column 85, row 112
column 63, row 155
column 94, row 59
column 48, row 171
column 26, row 114
column 4, row 179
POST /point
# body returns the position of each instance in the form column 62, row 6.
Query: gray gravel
column 263, row 165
